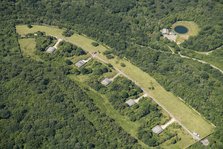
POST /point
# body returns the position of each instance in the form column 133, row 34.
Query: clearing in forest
column 192, row 30
column 189, row 119
column 28, row 46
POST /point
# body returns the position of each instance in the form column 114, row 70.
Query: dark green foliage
column 85, row 70
column 69, row 50
column 126, row 26
column 43, row 42
column 68, row 62
column 118, row 6
column 95, row 44
column 123, row 65
column 126, row 89
column 68, row 33
column 41, row 108
column 36, row 113
column 109, row 54
column 29, row 26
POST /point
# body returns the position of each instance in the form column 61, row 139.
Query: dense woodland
column 132, row 29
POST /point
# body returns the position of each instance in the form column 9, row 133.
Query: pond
column 181, row 29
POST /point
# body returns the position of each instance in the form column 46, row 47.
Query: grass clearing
column 192, row 27
column 28, row 47
column 183, row 113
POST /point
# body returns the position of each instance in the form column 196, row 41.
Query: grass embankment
column 192, row 27
column 184, row 114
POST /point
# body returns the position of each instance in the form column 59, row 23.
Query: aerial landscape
column 111, row 74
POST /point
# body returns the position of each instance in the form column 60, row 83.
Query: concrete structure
column 137, row 100
column 205, row 142
column 58, row 42
column 80, row 63
column 106, row 81
column 168, row 123
column 157, row 129
column 50, row 50
column 167, row 33
column 130, row 102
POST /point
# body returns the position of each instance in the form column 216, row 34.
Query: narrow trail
column 209, row 52
column 195, row 59
column 112, row 79
column 58, row 42
column 200, row 61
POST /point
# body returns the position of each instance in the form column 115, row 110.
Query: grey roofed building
column 157, row 129
column 130, row 102
column 106, row 81
column 50, row 50
column 80, row 63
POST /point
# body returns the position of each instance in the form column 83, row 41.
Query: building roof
column 80, row 63
column 165, row 31
column 157, row 129
column 50, row 50
column 205, row 142
column 106, row 81
column 130, row 102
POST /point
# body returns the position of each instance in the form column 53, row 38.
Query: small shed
column 80, row 63
column 50, row 50
column 106, row 81
column 130, row 102
column 157, row 129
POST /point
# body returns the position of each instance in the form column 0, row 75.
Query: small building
column 80, row 63
column 165, row 31
column 106, row 81
column 157, row 129
column 50, row 50
column 130, row 102
column 205, row 142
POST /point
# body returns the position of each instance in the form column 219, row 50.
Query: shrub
column 95, row 44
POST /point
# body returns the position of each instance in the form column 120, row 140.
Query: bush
column 95, row 44
column 68, row 33
column 68, row 62
column 29, row 26
column 123, row 65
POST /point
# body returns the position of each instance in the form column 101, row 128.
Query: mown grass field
column 187, row 116
column 192, row 27
column 28, row 46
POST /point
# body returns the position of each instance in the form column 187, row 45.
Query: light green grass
column 28, row 47
column 187, row 116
